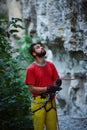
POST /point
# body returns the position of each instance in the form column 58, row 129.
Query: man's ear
column 34, row 54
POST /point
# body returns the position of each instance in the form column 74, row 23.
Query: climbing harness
column 40, row 102
column 48, row 99
column 47, row 103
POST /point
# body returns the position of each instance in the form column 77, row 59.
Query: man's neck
column 40, row 61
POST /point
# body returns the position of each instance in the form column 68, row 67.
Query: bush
column 14, row 94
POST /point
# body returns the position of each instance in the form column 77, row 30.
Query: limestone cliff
column 62, row 27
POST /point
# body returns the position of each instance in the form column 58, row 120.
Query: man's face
column 39, row 50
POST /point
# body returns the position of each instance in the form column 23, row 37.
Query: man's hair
column 31, row 48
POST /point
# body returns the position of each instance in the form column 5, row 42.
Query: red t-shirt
column 41, row 76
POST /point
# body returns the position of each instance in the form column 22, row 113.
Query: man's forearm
column 37, row 90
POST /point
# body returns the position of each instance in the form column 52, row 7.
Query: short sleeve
column 55, row 73
column 30, row 77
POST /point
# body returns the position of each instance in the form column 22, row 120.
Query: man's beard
column 42, row 54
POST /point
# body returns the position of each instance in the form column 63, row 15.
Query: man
column 43, row 81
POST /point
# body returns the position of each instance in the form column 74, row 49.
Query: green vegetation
column 15, row 111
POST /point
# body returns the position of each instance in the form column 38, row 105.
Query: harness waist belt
column 44, row 96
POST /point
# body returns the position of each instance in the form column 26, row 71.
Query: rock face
column 56, row 20
column 62, row 27
column 3, row 9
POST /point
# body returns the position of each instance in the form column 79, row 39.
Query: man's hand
column 58, row 82
column 53, row 89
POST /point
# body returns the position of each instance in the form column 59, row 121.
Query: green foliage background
column 15, row 111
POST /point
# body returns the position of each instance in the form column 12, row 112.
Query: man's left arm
column 55, row 73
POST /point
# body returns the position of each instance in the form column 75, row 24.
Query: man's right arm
column 37, row 90
column 48, row 89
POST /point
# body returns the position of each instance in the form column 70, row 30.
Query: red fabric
column 41, row 76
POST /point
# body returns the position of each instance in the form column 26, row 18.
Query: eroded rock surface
column 62, row 27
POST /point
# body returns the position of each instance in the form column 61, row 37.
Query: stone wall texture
column 62, row 27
